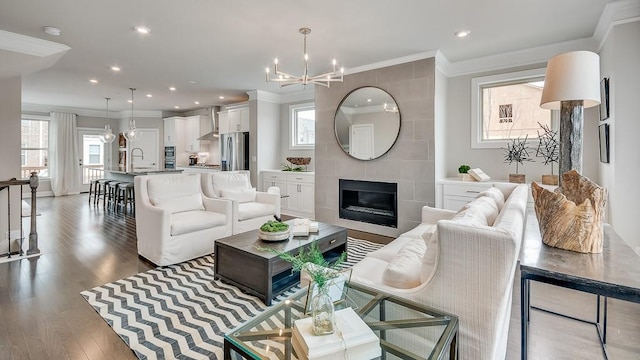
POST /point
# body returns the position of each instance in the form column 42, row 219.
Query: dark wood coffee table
column 262, row 273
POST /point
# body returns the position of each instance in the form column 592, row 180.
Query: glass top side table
column 406, row 329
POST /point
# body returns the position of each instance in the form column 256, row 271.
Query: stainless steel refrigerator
column 234, row 151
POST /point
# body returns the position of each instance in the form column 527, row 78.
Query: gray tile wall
column 410, row 163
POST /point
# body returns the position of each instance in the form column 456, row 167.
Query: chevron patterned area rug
column 180, row 311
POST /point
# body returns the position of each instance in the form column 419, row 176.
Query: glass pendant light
column 107, row 137
column 132, row 134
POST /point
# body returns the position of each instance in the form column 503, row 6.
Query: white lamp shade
column 572, row 76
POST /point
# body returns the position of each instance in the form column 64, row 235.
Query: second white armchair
column 251, row 208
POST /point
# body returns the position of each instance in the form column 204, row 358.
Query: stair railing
column 33, row 183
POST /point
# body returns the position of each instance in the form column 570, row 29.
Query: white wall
column 268, row 129
column 440, row 123
column 285, row 134
column 458, row 149
column 619, row 60
column 10, row 123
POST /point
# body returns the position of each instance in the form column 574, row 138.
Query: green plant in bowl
column 274, row 226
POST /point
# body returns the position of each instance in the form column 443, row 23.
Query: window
column 303, row 126
column 507, row 106
column 34, row 153
column 95, row 152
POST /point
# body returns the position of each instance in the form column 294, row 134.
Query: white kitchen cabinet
column 191, row 133
column 170, row 133
column 239, row 120
column 297, row 191
column 223, row 122
column 279, row 180
column 300, row 189
column 234, row 120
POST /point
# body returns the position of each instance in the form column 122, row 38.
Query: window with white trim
column 507, row 106
column 34, row 152
column 302, row 120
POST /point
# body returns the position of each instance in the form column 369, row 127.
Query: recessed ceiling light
column 221, row 97
column 193, row 81
column 462, row 33
column 197, row 102
column 130, row 101
column 93, row 81
column 172, row 88
column 142, row 29
column 368, row 100
column 149, row 95
column 177, row 107
column 115, row 68
column 51, row 30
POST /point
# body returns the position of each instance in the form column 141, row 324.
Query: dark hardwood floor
column 43, row 315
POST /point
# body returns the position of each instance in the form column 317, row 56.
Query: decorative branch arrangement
column 517, row 151
column 548, row 146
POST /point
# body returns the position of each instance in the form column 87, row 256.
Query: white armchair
column 175, row 222
column 251, row 208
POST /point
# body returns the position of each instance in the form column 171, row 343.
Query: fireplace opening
column 369, row 201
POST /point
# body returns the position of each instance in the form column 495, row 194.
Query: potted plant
column 517, row 151
column 463, row 171
column 310, row 260
column 548, row 150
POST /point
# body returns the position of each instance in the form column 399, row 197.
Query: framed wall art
column 604, row 99
column 604, row 142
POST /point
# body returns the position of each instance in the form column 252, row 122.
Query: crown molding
column 29, row 45
column 302, row 95
column 615, row 13
column 90, row 112
column 391, row 62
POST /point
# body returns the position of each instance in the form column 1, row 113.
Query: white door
column 144, row 152
column 361, row 141
column 95, row 156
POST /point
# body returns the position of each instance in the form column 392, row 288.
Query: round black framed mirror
column 367, row 123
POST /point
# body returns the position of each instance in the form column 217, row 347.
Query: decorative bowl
column 299, row 160
column 273, row 236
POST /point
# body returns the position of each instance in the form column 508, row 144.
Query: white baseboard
column 27, row 195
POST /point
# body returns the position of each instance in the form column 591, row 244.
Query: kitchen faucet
column 141, row 156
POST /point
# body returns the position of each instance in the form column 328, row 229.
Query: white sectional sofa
column 459, row 262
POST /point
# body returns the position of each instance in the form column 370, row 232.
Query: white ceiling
column 224, row 46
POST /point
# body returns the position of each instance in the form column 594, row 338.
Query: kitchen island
column 128, row 176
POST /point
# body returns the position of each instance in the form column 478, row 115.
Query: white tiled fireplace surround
column 410, row 162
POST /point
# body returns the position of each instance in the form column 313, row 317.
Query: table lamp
column 571, row 84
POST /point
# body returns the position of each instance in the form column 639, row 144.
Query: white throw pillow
column 224, row 180
column 403, row 271
column 239, row 195
column 488, row 207
column 495, row 194
column 470, row 215
column 175, row 193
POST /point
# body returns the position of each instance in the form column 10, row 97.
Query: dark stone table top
column 618, row 266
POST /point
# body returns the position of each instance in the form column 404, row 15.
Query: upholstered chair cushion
column 239, row 195
column 251, row 210
column 176, row 193
column 495, row 194
column 403, row 271
column 224, row 180
column 191, row 221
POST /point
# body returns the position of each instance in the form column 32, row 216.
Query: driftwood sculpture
column 571, row 217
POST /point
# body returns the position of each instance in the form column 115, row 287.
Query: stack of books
column 302, row 227
column 353, row 339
